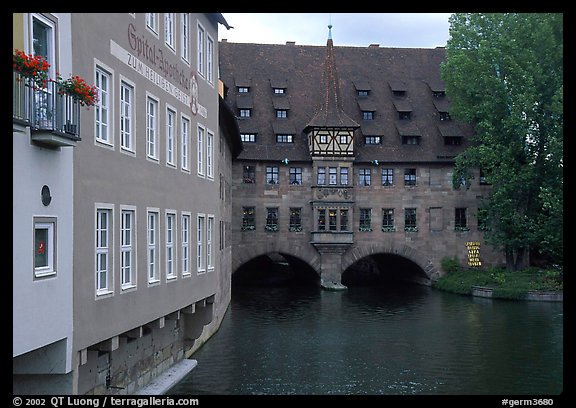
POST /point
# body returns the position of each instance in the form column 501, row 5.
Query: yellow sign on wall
column 473, row 253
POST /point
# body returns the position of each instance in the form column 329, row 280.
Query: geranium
column 31, row 66
column 77, row 87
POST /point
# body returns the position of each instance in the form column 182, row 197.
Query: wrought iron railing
column 45, row 109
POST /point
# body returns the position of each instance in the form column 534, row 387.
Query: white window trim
column 185, row 38
column 201, row 50
column 173, row 133
column 210, row 154
column 155, row 245
column 153, row 30
column 171, row 45
column 51, row 46
column 130, row 151
column 98, row 141
column 200, row 243
column 200, row 142
column 210, row 59
column 153, row 157
column 133, row 247
column 185, row 162
column 109, row 290
column 185, row 243
column 171, row 245
column 48, row 223
column 210, row 242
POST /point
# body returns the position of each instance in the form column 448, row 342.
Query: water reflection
column 385, row 340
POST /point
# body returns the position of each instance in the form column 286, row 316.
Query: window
column 482, row 218
column 323, row 139
column 388, row 220
column 452, row 140
column 460, row 223
column 102, row 107
column 387, row 177
column 248, row 137
column 444, row 116
column 332, row 176
column 170, row 124
column 322, row 219
column 410, row 219
column 397, row 92
column 152, row 234
column 243, row 89
column 295, row 220
column 364, row 177
column 332, row 219
column 249, row 174
column 152, row 21
column 185, row 244
column 44, row 247
column 271, row 219
column 409, row 177
column 404, row 115
column 483, row 178
column 169, row 240
column 367, row 115
column 272, row 175
column 344, row 139
column 343, row 220
column 344, row 176
column 279, row 91
column 248, row 219
column 210, row 60
column 284, row 138
column 362, row 93
column 126, row 116
column 372, row 140
column 200, row 150
column 210, row 242
column 410, row 140
column 43, row 41
column 200, row 260
column 185, row 35
column 321, row 176
column 185, row 144
column 365, row 219
column 200, row 50
column 103, row 261
column 151, row 128
column 438, row 94
column 295, row 175
column 169, row 30
column 127, row 248
column 245, row 113
column 210, row 155
column 281, row 113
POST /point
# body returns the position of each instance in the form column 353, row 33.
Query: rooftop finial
column 330, row 26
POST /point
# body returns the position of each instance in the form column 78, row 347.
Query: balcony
column 54, row 118
column 332, row 241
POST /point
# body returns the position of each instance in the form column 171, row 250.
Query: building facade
column 149, row 197
column 348, row 154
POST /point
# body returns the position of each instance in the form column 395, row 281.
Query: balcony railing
column 54, row 118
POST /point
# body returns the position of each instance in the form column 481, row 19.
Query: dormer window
column 372, row 140
column 243, row 89
column 404, row 115
column 444, row 116
column 248, row 137
column 410, row 140
column 438, row 94
column 452, row 140
column 367, row 115
column 399, row 93
column 245, row 113
column 280, row 138
column 362, row 93
column 281, row 113
column 279, row 91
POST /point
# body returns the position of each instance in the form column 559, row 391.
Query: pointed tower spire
column 330, row 112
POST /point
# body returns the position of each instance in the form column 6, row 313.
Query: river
column 387, row 340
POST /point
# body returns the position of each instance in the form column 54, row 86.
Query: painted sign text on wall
column 473, row 253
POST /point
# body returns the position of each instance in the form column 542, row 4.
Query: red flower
column 31, row 66
column 76, row 87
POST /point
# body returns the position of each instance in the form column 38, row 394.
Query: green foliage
column 450, row 265
column 504, row 74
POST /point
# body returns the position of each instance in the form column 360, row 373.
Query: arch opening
column 275, row 269
column 384, row 269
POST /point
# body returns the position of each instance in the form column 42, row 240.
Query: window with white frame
column 126, row 116
column 170, row 145
column 200, row 150
column 185, row 36
column 44, row 247
column 152, row 22
column 169, row 30
column 102, row 107
column 185, row 242
column 152, row 233
column 151, row 128
column 209, row 242
column 43, row 40
column 185, row 144
column 210, row 155
column 103, row 253
column 200, row 260
column 210, row 60
column 200, row 49
column 127, row 248
column 170, row 248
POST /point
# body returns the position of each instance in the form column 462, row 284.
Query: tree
column 504, row 74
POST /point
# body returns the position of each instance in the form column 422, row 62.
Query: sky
column 404, row 30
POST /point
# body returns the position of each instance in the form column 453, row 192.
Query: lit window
column 44, row 247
